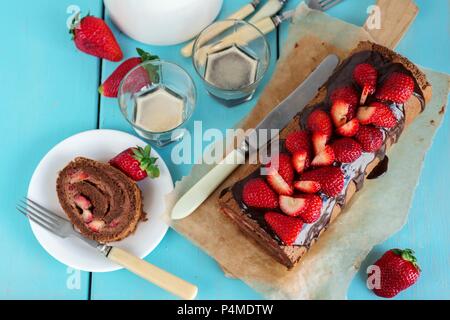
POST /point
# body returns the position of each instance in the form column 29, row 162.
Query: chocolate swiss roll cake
column 341, row 138
column 101, row 201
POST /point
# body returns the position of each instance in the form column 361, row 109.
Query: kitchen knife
column 278, row 118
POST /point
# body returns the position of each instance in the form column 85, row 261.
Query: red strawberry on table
column 297, row 141
column 292, row 206
column 398, row 88
column 110, row 86
column 257, row 194
column 136, row 163
column 286, row 228
column 398, row 271
column 370, row 138
column 331, row 179
column 307, row 186
column 347, row 95
column 320, row 122
column 93, row 36
column 313, row 208
column 378, row 114
column 349, row 129
column 365, row 75
column 346, row 150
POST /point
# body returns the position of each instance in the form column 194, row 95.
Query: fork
column 322, row 5
column 62, row 228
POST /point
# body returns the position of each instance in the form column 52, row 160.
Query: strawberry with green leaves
column 398, row 271
column 93, row 36
column 141, row 78
column 137, row 163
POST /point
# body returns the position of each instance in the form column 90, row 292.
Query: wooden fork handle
column 153, row 274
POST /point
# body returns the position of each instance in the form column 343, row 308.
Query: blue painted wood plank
column 175, row 253
column 48, row 93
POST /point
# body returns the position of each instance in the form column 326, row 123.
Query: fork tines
column 39, row 214
column 322, row 4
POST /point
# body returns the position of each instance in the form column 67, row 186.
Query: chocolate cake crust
column 252, row 222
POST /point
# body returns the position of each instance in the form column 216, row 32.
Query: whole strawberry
column 136, row 163
column 365, row 75
column 93, row 36
column 141, row 78
column 398, row 271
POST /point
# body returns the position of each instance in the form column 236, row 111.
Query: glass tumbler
column 157, row 98
column 232, row 63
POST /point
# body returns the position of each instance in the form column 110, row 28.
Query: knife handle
column 195, row 196
column 149, row 272
column 241, row 14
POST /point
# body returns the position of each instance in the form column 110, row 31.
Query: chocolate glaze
column 380, row 169
column 354, row 171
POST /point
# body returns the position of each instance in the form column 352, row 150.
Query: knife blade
column 278, row 118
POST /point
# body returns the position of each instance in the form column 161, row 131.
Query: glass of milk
column 231, row 57
column 157, row 98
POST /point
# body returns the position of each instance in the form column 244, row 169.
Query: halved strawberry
column 347, row 94
column 365, row 114
column 365, row 75
column 277, row 182
column 313, row 208
column 324, row 158
column 300, row 160
column 307, row 186
column 286, row 228
column 339, row 111
column 320, row 121
column 346, row 150
column 370, row 138
column 319, row 141
column 398, row 88
column 349, row 129
column 331, row 179
column 257, row 194
column 284, row 167
column 298, row 141
column 292, row 206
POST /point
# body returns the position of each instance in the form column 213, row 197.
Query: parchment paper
column 375, row 213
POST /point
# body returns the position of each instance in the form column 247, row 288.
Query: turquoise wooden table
column 49, row 92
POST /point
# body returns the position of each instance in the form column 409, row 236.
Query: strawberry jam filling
column 336, row 141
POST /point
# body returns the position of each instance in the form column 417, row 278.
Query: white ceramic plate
column 99, row 145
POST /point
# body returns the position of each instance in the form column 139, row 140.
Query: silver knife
column 278, row 118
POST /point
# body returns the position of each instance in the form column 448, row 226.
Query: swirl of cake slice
column 102, row 203
column 341, row 138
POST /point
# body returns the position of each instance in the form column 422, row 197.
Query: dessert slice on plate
column 336, row 142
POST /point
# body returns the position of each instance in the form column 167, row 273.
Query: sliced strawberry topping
column 324, row 158
column 377, row 114
column 257, row 194
column 365, row 75
column 319, row 141
column 331, row 179
column 320, row 121
column 347, row 95
column 277, row 182
column 307, row 186
column 398, row 88
column 339, row 111
column 349, row 129
column 313, row 208
column 370, row 138
column 300, row 160
column 346, row 150
column 292, row 206
column 298, row 141
column 287, row 228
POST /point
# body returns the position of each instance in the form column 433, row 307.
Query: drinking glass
column 157, row 98
column 233, row 63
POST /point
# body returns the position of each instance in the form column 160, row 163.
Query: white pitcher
column 162, row 22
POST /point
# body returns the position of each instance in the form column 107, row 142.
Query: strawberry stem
column 151, row 70
column 407, row 255
column 147, row 163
